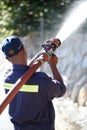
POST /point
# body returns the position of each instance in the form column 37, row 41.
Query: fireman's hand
column 53, row 60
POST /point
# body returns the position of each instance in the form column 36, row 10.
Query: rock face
column 73, row 63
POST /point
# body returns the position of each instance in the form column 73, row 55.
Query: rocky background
column 73, row 66
column 71, row 110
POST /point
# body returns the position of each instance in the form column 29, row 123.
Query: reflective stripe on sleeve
column 25, row 88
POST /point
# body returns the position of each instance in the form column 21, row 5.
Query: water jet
column 77, row 17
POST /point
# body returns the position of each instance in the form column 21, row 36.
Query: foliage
column 23, row 17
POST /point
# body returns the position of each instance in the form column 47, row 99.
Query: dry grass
column 69, row 116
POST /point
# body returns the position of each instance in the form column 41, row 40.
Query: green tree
column 22, row 17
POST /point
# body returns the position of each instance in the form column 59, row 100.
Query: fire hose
column 35, row 63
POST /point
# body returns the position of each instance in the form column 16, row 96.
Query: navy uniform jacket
column 32, row 108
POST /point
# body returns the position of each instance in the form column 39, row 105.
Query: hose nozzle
column 52, row 44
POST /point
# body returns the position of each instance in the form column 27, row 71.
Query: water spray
column 77, row 17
